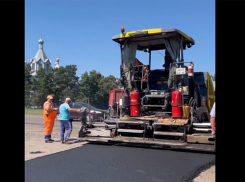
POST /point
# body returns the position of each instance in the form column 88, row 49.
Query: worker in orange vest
column 145, row 68
column 137, row 62
column 49, row 115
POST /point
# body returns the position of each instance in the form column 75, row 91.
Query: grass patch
column 34, row 111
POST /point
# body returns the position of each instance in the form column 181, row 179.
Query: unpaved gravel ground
column 206, row 176
column 34, row 141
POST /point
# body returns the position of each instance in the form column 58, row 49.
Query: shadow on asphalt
column 72, row 141
column 152, row 147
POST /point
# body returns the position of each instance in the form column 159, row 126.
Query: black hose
column 142, row 100
column 190, row 101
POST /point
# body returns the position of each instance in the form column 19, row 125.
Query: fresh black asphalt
column 100, row 163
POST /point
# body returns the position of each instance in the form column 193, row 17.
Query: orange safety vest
column 137, row 62
column 49, row 118
column 146, row 73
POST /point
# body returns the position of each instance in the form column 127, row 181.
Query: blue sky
column 79, row 31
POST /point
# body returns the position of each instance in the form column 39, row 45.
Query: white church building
column 41, row 60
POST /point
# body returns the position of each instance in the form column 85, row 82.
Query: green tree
column 63, row 82
column 106, row 84
column 89, row 87
column 28, row 84
column 96, row 87
column 119, row 83
column 66, row 83
column 43, row 85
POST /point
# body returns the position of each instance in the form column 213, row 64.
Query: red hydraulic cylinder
column 176, row 104
column 134, row 104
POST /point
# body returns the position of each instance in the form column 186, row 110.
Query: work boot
column 51, row 140
column 88, row 132
column 48, row 141
column 65, row 142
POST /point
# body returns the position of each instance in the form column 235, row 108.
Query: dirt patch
column 203, row 173
column 36, row 147
column 206, row 176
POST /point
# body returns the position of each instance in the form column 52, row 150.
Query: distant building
column 56, row 64
column 41, row 60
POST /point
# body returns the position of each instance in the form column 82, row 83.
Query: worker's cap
column 49, row 97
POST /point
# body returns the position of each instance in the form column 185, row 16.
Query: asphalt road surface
column 100, row 163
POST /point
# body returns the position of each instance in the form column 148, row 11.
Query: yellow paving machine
column 167, row 107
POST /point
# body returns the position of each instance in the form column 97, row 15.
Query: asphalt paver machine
column 167, row 107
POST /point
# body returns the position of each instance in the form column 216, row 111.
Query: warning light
column 122, row 29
